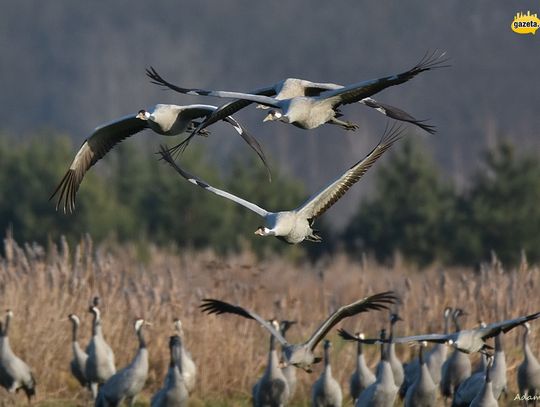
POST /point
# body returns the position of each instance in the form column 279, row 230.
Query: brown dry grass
column 44, row 286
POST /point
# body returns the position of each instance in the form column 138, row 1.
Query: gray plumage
column 528, row 374
column 498, row 369
column 397, row 366
column 472, row 386
column 100, row 362
column 434, row 360
column 272, row 389
column 289, row 371
column 326, row 391
column 166, row 120
column 423, row 391
column 468, row 389
column 362, row 377
column 307, row 105
column 383, row 392
column 174, row 392
column 78, row 363
column 457, row 367
column 301, row 355
column 189, row 369
column 485, row 397
column 295, row 226
column 15, row 374
column 127, row 383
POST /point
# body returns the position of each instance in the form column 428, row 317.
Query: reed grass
column 43, row 285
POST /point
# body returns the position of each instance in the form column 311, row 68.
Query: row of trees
column 419, row 213
column 415, row 210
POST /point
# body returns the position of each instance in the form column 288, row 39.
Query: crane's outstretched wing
column 166, row 155
column 248, row 138
column 263, row 100
column 211, row 306
column 285, row 325
column 358, row 91
column 232, row 107
column 494, row 329
column 375, row 302
column 438, row 338
column 93, row 149
column 397, row 114
column 320, row 202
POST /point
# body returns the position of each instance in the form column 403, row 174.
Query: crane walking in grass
column 127, row 383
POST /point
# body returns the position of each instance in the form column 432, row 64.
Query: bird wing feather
column 166, row 155
column 494, row 329
column 264, row 100
column 92, row 150
column 358, row 91
column 323, row 200
column 232, row 107
column 212, row 306
column 375, row 302
column 397, row 114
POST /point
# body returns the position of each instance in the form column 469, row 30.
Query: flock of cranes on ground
column 306, row 105
column 417, row 383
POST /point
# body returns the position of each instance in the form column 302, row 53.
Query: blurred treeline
column 414, row 211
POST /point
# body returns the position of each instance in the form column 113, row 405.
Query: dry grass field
column 43, row 286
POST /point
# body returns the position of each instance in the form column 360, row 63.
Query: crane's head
column 447, row 312
column 360, row 335
column 143, row 115
column 264, row 231
column 9, row 313
column 327, row 344
column 274, row 115
column 139, row 322
column 178, row 327
column 94, row 310
column 75, row 319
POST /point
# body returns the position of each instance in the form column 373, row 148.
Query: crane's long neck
column 176, row 355
column 74, row 331
column 140, row 335
column 526, row 348
column 446, row 324
column 327, row 366
column 489, row 363
column 384, row 355
column 96, row 324
column 421, row 355
column 359, row 355
column 6, row 325
column 499, row 343
column 456, row 323
column 272, row 354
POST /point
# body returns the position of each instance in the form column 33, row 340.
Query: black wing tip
column 166, row 154
column 383, row 298
column 251, row 141
column 66, row 191
column 432, row 60
column 392, row 133
column 346, row 335
column 430, row 128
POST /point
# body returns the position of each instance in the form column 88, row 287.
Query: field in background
column 43, row 286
